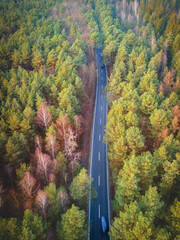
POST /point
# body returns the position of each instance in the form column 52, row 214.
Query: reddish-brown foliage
column 176, row 119
column 28, row 184
column 168, row 83
column 78, row 122
column 38, row 142
column 14, row 199
column 44, row 117
column 160, row 137
column 152, row 41
column 51, row 145
column 61, row 129
column 67, row 134
column 42, row 201
column 44, row 167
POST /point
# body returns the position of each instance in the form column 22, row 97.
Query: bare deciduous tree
column 52, row 178
column 135, row 9
column 61, row 128
column 38, row 142
column 123, row 11
column 78, row 122
column 164, row 60
column 44, row 117
column 64, row 199
column 153, row 41
column 42, row 201
column 72, row 165
column 66, row 132
column 51, row 145
column 71, row 143
column 27, row 185
column 44, row 167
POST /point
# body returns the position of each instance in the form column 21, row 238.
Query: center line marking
column 102, row 87
column 101, row 96
column 101, row 108
column 100, row 121
column 99, row 137
column 102, row 78
column 99, row 156
column 99, row 211
column 99, row 181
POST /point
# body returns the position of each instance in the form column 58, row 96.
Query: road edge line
column 92, row 146
column 107, row 163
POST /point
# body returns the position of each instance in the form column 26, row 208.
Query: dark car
column 102, row 65
column 103, row 224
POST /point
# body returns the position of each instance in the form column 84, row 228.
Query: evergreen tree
column 56, row 201
column 151, row 203
column 37, row 60
column 73, row 225
column 131, row 224
column 9, row 229
column 127, row 188
column 33, row 227
column 135, row 140
column 80, row 186
column 159, row 120
column 148, row 102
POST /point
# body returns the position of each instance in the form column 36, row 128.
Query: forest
column 46, row 97
column 141, row 46
column 47, row 89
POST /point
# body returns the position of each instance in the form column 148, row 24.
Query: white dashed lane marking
column 99, row 183
column 99, row 210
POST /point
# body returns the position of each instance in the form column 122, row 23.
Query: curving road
column 99, row 166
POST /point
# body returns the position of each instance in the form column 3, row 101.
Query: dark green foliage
column 57, row 199
column 9, row 229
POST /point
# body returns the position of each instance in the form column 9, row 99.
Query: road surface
column 98, row 166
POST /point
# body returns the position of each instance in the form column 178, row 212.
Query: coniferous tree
column 73, row 225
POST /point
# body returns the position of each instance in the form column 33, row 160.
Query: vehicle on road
column 102, row 65
column 103, row 224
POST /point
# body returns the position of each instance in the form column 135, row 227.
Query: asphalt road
column 98, row 167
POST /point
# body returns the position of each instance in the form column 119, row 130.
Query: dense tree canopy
column 46, row 52
column 142, row 91
column 47, row 75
